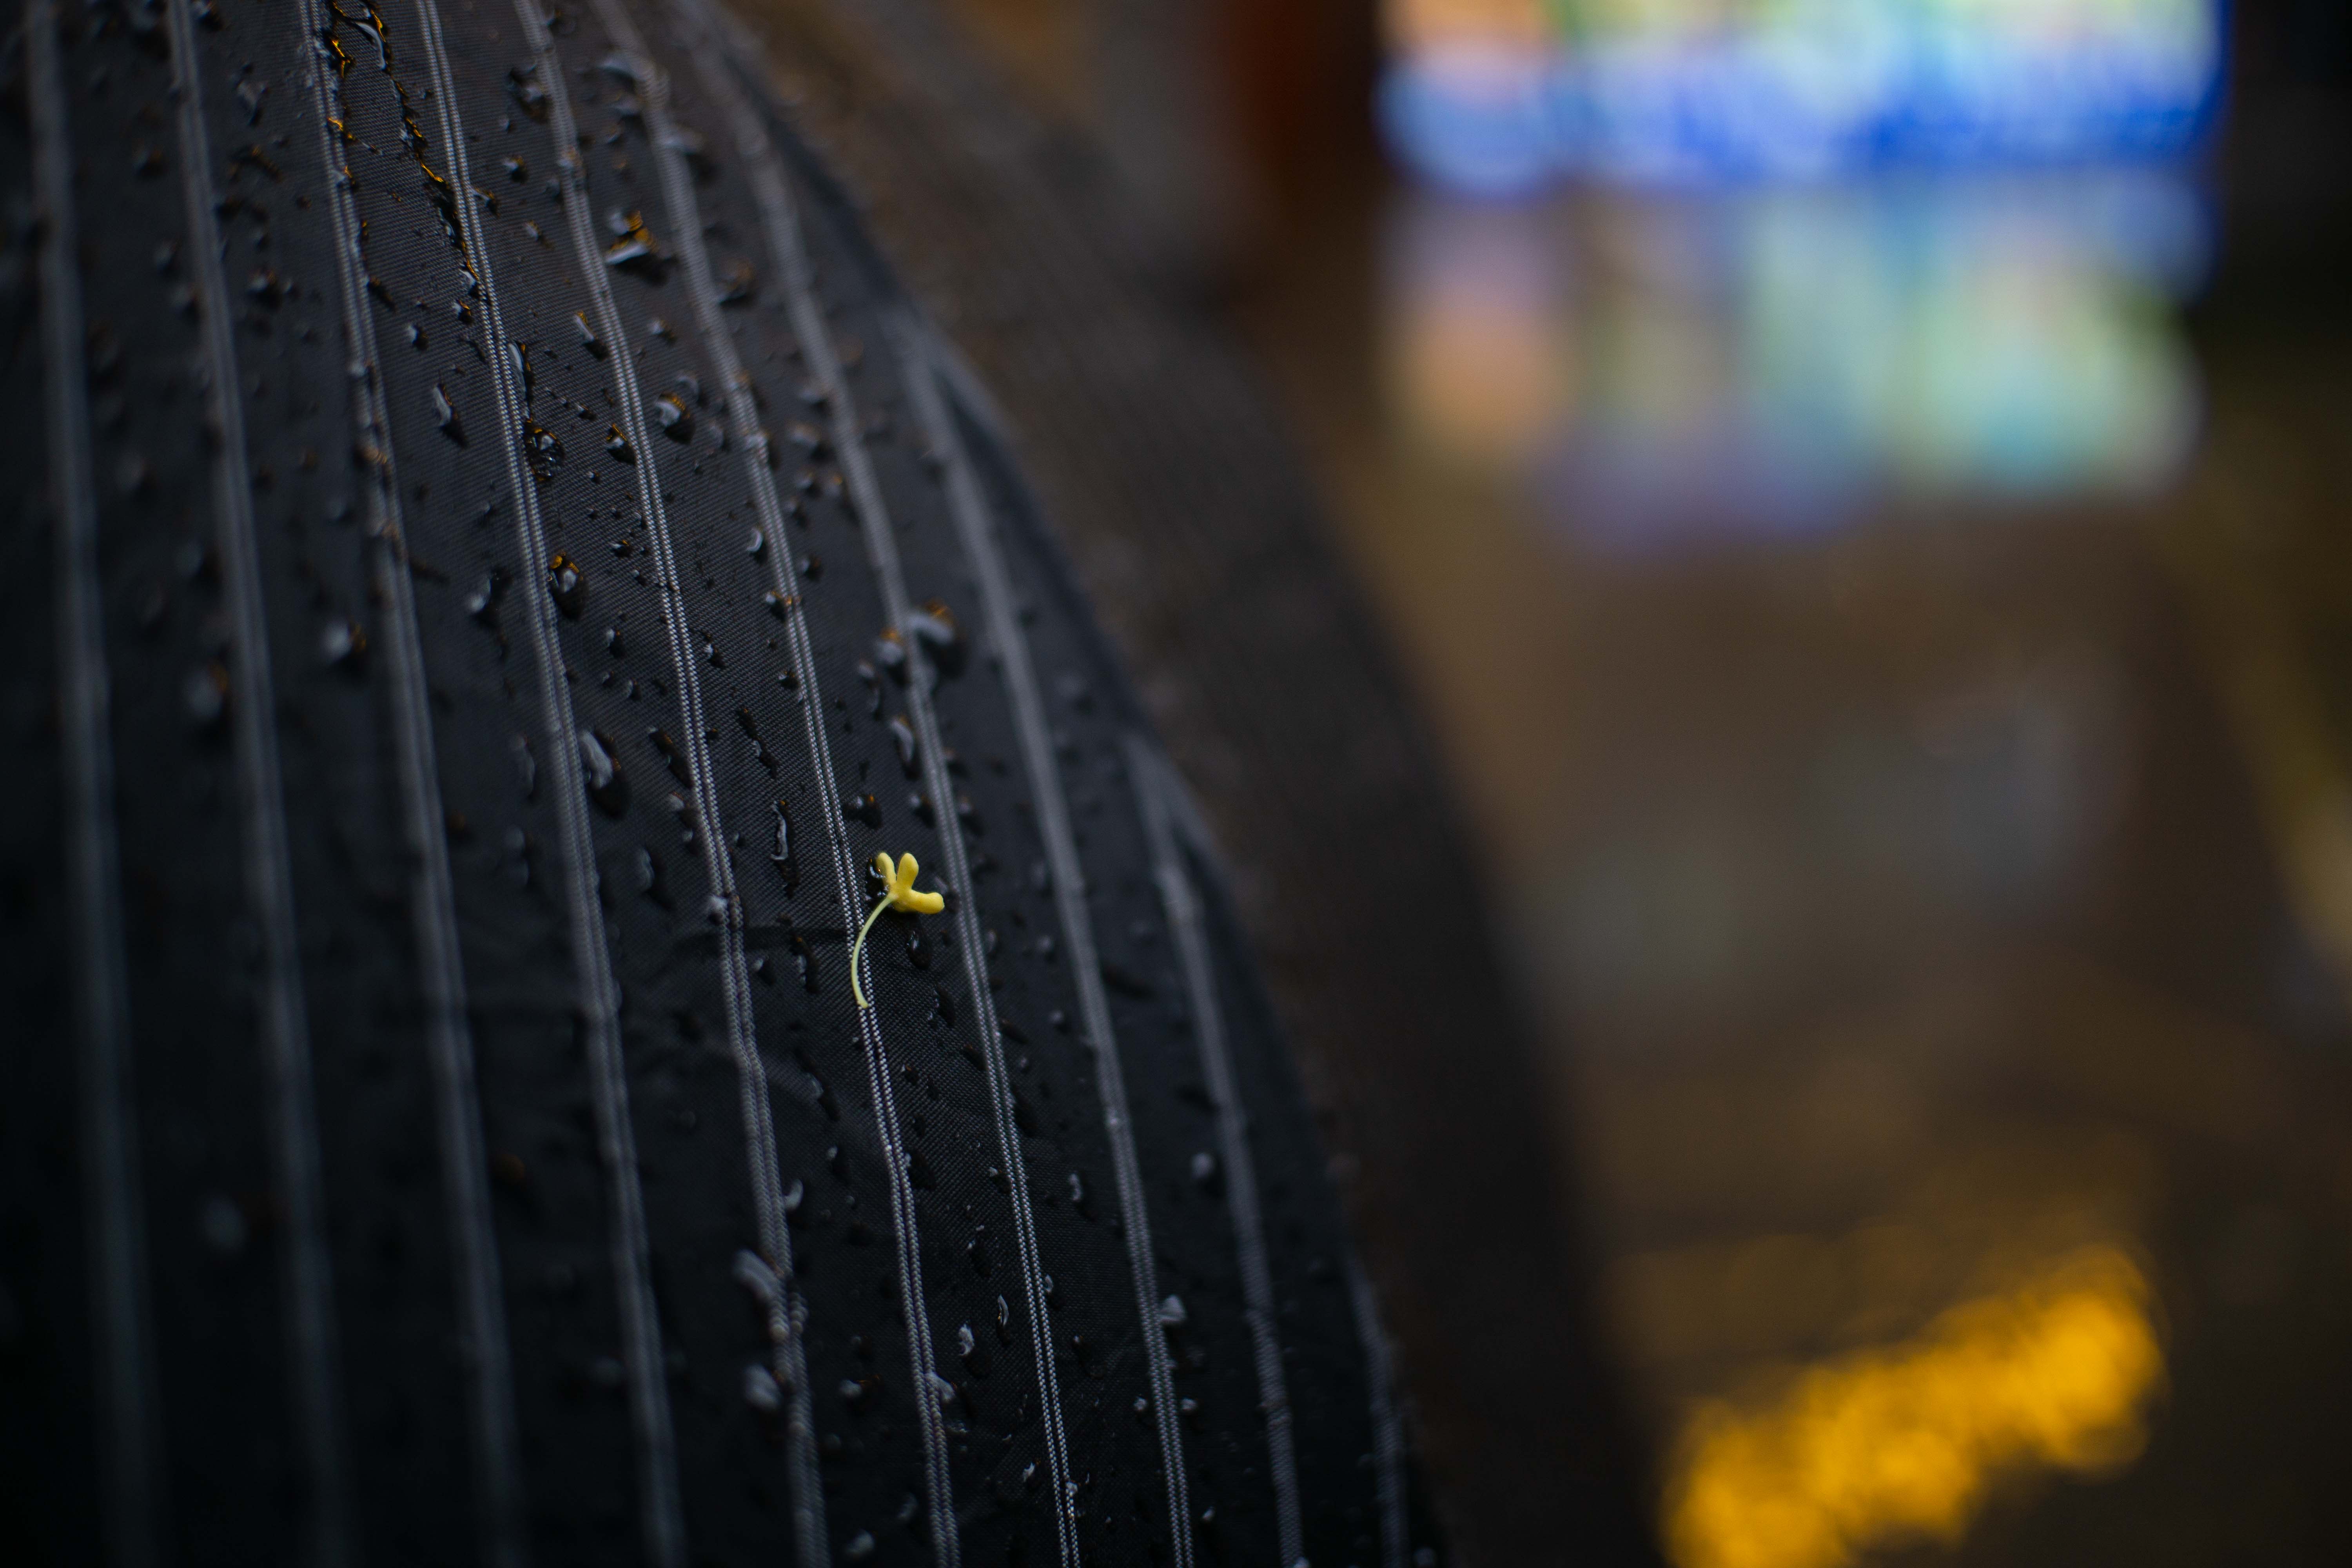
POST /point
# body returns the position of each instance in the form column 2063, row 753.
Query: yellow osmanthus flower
column 898, row 893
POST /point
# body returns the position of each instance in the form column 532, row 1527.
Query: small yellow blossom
column 898, row 893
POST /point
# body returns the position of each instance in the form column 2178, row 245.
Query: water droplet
column 676, row 418
column 810, row 439
column 934, row 626
column 755, row 545
column 860, row 1547
column 566, row 584
column 647, row 868
column 780, row 850
column 752, row 1271
column 690, row 144
column 902, row 734
column 760, row 1389
column 526, row 765
column 541, row 450
column 606, row 785
column 613, row 643
column 205, row 696
column 342, row 643
column 482, row 603
column 446, row 417
column 618, row 444
column 1171, row 1312
column 528, row 95
column 636, row 249
column 862, row 808
column 738, row 282
column 965, row 1344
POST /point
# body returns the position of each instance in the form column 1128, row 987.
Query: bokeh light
column 1895, row 1444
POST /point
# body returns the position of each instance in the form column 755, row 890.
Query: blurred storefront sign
column 1777, row 360
column 1495, row 95
column 1817, row 261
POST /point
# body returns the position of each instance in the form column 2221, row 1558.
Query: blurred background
column 1859, row 490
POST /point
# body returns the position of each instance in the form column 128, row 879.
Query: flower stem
column 858, row 948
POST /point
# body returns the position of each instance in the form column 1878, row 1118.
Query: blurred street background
column 1859, row 490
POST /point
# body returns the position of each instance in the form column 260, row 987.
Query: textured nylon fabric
column 624, row 1403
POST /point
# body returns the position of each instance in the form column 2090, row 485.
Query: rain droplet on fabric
column 445, row 416
column 567, row 584
column 760, row 1391
column 342, row 643
column 205, row 695
column 606, row 785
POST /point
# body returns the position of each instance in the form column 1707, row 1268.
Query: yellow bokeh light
column 1903, row 1444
